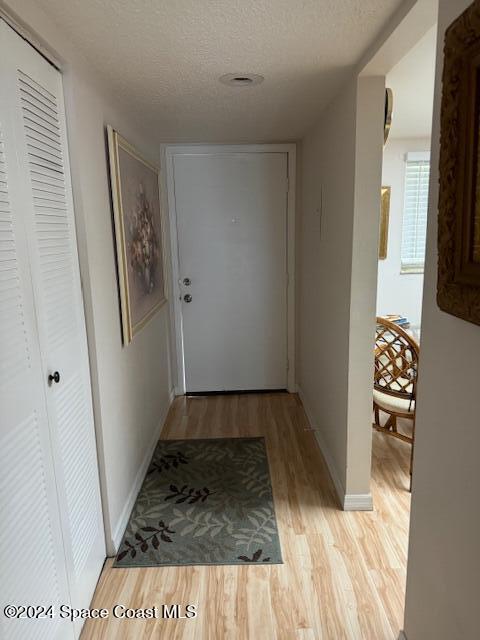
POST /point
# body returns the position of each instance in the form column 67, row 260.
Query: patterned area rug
column 203, row 502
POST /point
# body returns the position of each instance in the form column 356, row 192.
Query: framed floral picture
column 138, row 234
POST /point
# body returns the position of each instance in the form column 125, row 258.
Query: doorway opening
column 401, row 258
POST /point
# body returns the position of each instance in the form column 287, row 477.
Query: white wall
column 443, row 586
column 325, row 257
column 131, row 386
column 398, row 292
column 368, row 177
column 337, row 279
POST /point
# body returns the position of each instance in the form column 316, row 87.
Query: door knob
column 187, row 297
column 54, row 377
column 187, row 282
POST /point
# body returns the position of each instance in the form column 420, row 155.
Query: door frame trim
column 201, row 149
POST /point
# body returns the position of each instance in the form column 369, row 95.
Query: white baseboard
column 114, row 544
column 402, row 636
column 358, row 502
column 348, row 501
column 339, row 488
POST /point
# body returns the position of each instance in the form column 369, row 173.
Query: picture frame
column 387, row 123
column 458, row 283
column 384, row 223
column 139, row 234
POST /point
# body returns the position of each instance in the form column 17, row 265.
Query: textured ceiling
column 162, row 59
column 412, row 81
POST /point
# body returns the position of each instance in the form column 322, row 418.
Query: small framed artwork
column 139, row 234
column 384, row 220
column 458, row 286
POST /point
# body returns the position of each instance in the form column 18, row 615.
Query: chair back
column 396, row 360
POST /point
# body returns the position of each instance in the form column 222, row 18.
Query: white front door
column 37, row 176
column 231, row 212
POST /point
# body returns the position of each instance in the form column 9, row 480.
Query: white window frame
column 411, row 156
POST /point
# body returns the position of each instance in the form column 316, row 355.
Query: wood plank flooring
column 343, row 575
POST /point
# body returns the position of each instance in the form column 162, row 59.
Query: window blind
column 414, row 229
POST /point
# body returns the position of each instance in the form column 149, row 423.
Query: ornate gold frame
column 115, row 141
column 384, row 221
column 458, row 286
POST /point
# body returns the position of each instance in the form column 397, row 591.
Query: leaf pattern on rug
column 255, row 480
column 164, row 463
column 211, row 452
column 202, row 523
column 188, row 495
column 143, row 543
column 255, row 557
column 203, row 502
column 253, row 452
column 262, row 529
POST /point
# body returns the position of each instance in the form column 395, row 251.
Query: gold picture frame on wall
column 458, row 284
column 139, row 234
column 384, row 221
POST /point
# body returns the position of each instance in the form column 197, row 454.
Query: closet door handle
column 54, row 377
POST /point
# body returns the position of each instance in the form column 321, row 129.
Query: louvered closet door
column 49, row 221
column 32, row 562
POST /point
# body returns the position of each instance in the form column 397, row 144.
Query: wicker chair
column 395, row 380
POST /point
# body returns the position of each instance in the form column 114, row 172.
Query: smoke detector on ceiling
column 241, row 79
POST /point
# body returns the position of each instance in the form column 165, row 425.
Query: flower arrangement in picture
column 138, row 224
column 144, row 248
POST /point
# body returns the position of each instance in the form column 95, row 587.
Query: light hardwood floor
column 343, row 575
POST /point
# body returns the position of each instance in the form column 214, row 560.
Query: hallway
column 343, row 575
